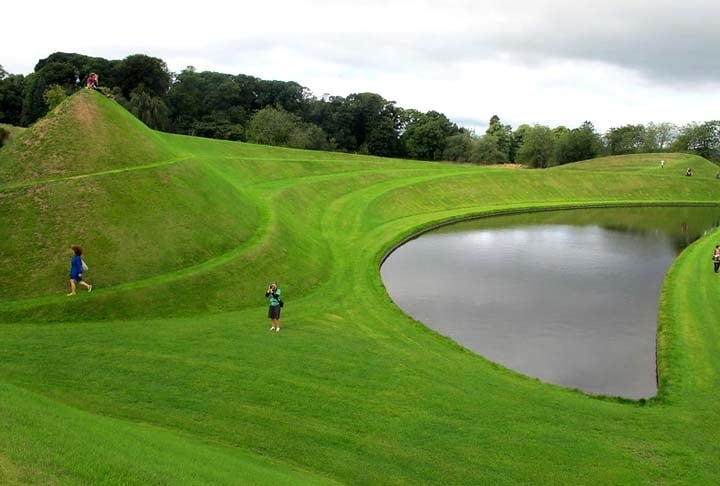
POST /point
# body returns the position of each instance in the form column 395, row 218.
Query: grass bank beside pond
column 167, row 373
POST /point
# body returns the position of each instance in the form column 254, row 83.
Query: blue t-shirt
column 76, row 267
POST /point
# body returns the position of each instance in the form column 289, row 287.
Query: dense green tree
column 538, row 148
column 518, row 138
column 580, row 143
column 658, row 137
column 209, row 104
column 700, row 138
column 54, row 95
column 486, row 151
column 503, row 136
column 309, row 136
column 149, row 109
column 272, row 126
column 459, row 147
column 50, row 73
column 12, row 87
column 275, row 126
column 34, row 105
column 426, row 135
column 627, row 139
column 375, row 123
column 335, row 116
column 141, row 71
column 288, row 95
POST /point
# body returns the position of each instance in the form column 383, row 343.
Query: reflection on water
column 569, row 297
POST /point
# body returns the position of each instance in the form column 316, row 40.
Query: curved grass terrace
column 167, row 374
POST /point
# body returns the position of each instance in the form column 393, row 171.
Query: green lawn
column 167, row 373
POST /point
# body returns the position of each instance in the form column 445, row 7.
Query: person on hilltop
column 689, row 172
column 716, row 258
column 77, row 267
column 92, row 81
column 662, row 163
column 276, row 303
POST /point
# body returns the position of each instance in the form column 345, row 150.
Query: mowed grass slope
column 167, row 374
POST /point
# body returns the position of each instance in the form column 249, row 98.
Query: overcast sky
column 552, row 62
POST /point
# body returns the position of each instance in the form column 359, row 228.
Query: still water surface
column 569, row 297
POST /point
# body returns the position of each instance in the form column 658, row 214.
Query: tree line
column 245, row 108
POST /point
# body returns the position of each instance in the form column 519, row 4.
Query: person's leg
column 276, row 323
column 72, row 287
column 86, row 285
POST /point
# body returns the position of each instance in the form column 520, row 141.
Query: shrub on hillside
column 4, row 135
column 54, row 95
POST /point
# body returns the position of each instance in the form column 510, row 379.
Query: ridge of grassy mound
column 91, row 174
column 86, row 132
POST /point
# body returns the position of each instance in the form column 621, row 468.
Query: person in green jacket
column 273, row 293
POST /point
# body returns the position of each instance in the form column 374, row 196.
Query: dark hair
column 76, row 249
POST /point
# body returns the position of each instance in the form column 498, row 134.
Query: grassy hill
column 166, row 373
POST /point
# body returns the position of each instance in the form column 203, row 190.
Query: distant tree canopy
column 246, row 108
column 538, row 147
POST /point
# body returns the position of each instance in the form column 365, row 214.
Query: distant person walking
column 276, row 303
column 689, row 172
column 716, row 258
column 662, row 164
column 77, row 267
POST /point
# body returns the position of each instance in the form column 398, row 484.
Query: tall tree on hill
column 48, row 74
column 375, row 124
column 151, row 110
column 275, row 126
column 426, row 134
column 502, row 135
column 34, row 106
column 486, row 151
column 210, row 104
column 140, row 70
column 335, row 116
column 538, row 148
column 580, row 143
column 288, row 95
column 658, row 137
column 459, row 147
column 12, row 87
column 627, row 139
column 700, row 138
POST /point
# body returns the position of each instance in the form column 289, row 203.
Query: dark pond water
column 569, row 297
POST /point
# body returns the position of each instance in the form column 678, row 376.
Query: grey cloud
column 665, row 41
